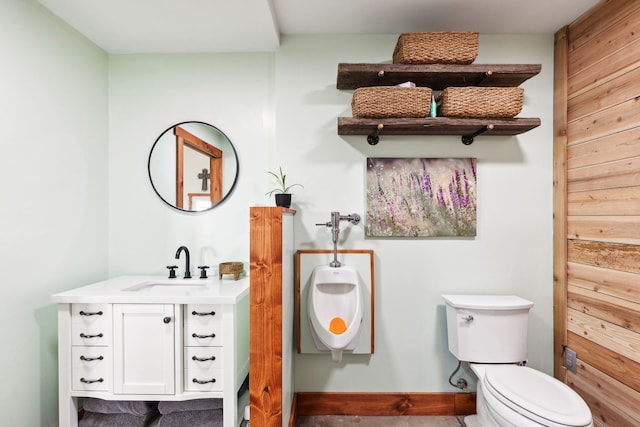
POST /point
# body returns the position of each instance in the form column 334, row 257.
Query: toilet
column 490, row 333
column 335, row 309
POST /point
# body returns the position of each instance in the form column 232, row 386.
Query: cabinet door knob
column 167, row 319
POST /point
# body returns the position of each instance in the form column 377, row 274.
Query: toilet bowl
column 335, row 309
column 513, row 395
column 490, row 333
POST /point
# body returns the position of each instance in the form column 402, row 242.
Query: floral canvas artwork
column 421, row 197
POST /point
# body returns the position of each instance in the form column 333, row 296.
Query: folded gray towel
column 205, row 418
column 189, row 405
column 94, row 419
column 133, row 407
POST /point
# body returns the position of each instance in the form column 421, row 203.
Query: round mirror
column 193, row 166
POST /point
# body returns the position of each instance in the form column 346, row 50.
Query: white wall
column 53, row 182
column 512, row 252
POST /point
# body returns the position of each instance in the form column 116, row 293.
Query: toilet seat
column 535, row 395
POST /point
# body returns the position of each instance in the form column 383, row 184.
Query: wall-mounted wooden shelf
column 466, row 128
column 435, row 76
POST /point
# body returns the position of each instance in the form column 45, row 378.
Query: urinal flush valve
column 335, row 231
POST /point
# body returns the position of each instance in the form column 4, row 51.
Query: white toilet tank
column 488, row 328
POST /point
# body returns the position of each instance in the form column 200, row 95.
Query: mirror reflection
column 193, row 166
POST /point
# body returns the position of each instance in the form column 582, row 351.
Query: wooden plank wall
column 600, row 270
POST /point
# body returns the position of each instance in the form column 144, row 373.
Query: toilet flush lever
column 468, row 318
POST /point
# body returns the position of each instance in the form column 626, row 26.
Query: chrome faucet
column 187, row 272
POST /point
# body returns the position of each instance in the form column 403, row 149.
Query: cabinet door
column 143, row 344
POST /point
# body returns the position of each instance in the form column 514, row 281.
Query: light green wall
column 79, row 207
column 53, row 184
column 150, row 93
column 512, row 252
column 281, row 109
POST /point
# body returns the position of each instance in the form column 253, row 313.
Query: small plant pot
column 283, row 200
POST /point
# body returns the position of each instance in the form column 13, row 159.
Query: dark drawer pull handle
column 91, row 359
column 197, row 381
column 197, row 313
column 99, row 380
column 82, row 335
column 90, row 313
column 203, row 359
column 203, row 336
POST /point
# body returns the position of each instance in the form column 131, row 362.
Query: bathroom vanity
column 154, row 339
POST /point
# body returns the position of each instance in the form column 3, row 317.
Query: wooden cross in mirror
column 204, row 176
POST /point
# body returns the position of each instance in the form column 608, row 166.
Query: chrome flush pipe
column 335, row 231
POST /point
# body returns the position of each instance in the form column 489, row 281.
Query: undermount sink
column 170, row 286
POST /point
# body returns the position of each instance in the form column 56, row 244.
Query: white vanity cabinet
column 116, row 344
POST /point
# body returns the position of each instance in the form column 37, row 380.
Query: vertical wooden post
column 560, row 202
column 266, row 316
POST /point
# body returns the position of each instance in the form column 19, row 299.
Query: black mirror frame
column 224, row 197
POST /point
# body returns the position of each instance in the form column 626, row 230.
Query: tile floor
column 360, row 421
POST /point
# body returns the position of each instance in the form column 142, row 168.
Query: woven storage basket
column 481, row 101
column 391, row 101
column 436, row 48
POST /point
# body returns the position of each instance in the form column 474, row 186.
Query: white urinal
column 335, row 309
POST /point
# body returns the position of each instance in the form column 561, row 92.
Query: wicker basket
column 481, row 102
column 391, row 101
column 436, row 48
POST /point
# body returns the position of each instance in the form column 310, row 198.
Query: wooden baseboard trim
column 293, row 419
column 385, row 404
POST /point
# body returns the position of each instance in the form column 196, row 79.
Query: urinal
column 335, row 309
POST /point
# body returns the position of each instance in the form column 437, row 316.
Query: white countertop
column 158, row 290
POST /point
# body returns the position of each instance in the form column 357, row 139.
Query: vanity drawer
column 203, row 325
column 90, row 324
column 203, row 381
column 90, row 368
column 205, row 372
column 202, row 358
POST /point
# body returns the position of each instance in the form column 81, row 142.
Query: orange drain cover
column 337, row 326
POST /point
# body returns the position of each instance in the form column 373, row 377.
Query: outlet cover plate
column 570, row 359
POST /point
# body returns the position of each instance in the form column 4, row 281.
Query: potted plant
column 282, row 194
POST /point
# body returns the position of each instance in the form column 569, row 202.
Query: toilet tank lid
column 487, row 302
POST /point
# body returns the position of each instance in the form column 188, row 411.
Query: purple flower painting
column 416, row 197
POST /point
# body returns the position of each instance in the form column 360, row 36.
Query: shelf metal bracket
column 374, row 138
column 487, row 74
column 379, row 76
column 468, row 139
